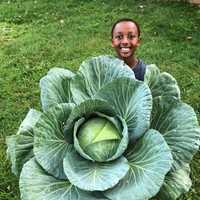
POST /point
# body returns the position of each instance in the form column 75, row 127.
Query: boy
column 125, row 39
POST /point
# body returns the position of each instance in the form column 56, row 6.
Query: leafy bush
column 105, row 135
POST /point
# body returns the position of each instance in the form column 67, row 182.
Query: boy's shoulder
column 140, row 70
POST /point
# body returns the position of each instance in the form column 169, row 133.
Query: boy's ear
column 112, row 43
column 139, row 41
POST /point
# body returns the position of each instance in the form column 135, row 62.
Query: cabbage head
column 102, row 134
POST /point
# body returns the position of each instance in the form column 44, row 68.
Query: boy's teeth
column 125, row 49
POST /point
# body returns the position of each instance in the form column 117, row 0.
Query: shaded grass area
column 38, row 35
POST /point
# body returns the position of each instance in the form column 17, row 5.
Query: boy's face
column 125, row 39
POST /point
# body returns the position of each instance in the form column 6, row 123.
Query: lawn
column 38, row 35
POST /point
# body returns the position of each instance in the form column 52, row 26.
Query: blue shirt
column 139, row 70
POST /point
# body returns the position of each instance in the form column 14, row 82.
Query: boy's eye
column 130, row 37
column 119, row 37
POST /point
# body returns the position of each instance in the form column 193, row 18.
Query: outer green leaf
column 36, row 184
column 134, row 103
column 149, row 161
column 95, row 73
column 20, row 150
column 28, row 124
column 91, row 176
column 161, row 84
column 55, row 87
column 176, row 183
column 178, row 123
column 50, row 147
column 20, row 146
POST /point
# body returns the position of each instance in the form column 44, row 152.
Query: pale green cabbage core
column 99, row 138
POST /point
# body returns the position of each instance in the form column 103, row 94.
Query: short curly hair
column 125, row 20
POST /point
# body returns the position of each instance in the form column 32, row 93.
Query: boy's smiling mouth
column 125, row 49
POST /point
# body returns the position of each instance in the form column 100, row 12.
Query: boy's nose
column 124, row 40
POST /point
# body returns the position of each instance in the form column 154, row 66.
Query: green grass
column 38, row 35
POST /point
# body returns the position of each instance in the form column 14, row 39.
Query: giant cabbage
column 103, row 134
